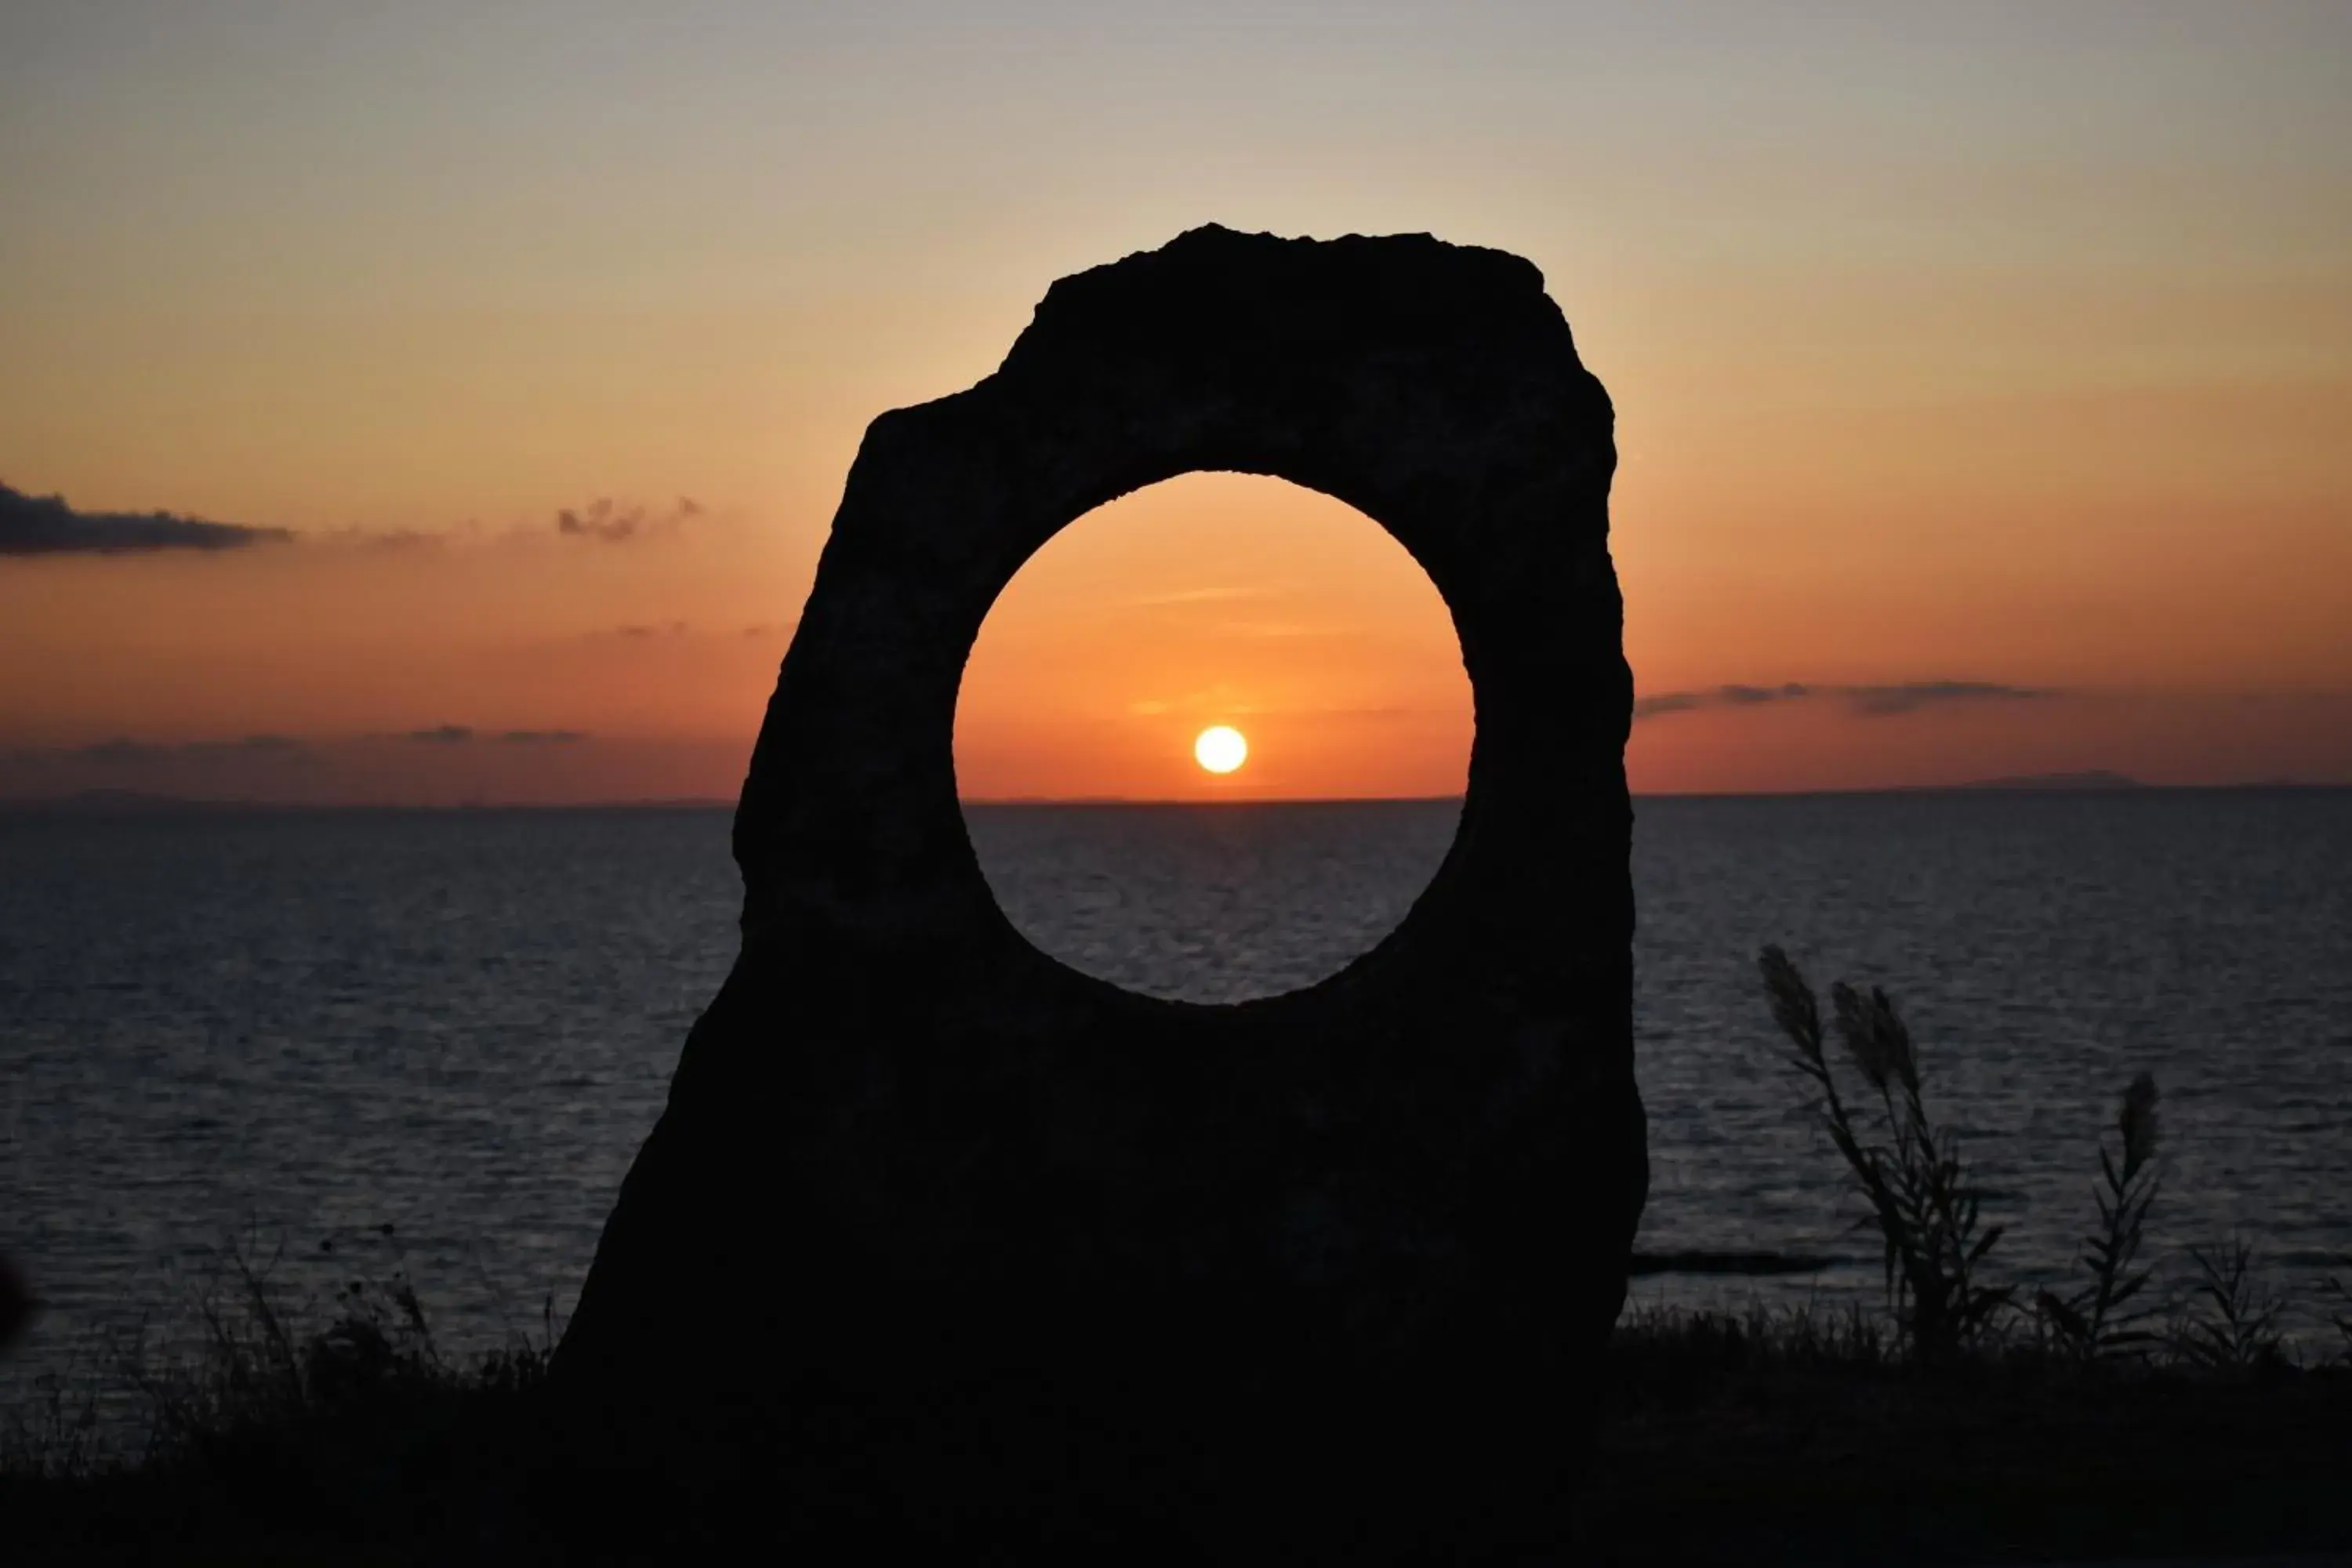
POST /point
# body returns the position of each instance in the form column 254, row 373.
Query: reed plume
column 1922, row 1200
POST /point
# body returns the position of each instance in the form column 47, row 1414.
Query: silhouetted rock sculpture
column 941, row 1236
column 16, row 1303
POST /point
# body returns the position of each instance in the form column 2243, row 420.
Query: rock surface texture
column 939, row 1235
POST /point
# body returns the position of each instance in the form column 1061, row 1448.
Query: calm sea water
column 300, row 1029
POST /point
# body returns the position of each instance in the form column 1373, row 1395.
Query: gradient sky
column 1984, row 379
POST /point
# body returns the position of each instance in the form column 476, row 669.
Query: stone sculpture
column 1003, row 1246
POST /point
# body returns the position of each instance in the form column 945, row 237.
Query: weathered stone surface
column 934, row 1197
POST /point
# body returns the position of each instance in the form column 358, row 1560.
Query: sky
column 1983, row 379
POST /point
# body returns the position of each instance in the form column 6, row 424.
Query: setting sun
column 1221, row 748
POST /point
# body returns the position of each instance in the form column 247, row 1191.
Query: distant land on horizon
column 102, row 802
column 2084, row 779
column 141, row 803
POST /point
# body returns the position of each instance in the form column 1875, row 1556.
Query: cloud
column 599, row 520
column 466, row 734
column 1878, row 701
column 1203, row 596
column 1867, row 701
column 1732, row 696
column 1269, row 631
column 607, row 523
column 45, row 525
column 1753, row 695
column 391, row 541
column 121, row 751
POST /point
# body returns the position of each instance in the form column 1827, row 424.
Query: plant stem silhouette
column 2100, row 1318
column 1921, row 1199
column 2233, row 1321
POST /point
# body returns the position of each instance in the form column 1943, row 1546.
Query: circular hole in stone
column 1212, row 739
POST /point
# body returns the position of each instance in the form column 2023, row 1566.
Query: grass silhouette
column 1922, row 1199
column 346, row 1434
column 2102, row 1319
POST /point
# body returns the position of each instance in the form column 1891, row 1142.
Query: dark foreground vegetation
column 1791, row 1436
column 1965, row 1422
column 1809, row 1438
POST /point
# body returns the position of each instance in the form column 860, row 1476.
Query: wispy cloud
column 247, row 745
column 1867, row 701
column 121, row 751
column 607, row 523
column 466, row 734
column 448, row 764
column 1912, row 696
column 1737, row 696
column 1270, row 631
column 653, row 633
column 392, row 540
column 47, row 525
column 1203, row 596
column 1732, row 696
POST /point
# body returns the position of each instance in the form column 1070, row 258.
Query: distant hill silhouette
column 142, row 802
column 2087, row 779
column 129, row 802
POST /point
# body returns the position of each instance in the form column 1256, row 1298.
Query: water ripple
column 463, row 1025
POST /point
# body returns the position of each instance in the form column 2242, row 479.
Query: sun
column 1220, row 749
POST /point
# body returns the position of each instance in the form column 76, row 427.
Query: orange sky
column 1988, row 376
column 1216, row 599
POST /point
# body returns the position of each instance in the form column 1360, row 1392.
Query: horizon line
column 135, row 803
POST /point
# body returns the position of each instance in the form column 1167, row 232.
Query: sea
column 355, row 1044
